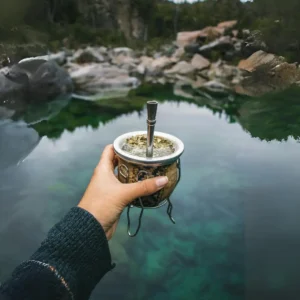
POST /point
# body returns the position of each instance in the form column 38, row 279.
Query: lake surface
column 237, row 207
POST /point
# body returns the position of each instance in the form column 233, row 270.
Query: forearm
column 68, row 265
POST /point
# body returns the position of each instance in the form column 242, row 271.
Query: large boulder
column 264, row 73
column 94, row 78
column 260, row 60
column 46, row 79
column 13, row 95
column 60, row 57
column 32, row 81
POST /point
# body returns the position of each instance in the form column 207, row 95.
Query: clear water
column 237, row 206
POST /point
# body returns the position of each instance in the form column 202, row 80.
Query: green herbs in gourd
column 136, row 145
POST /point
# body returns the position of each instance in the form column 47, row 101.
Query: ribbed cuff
column 78, row 249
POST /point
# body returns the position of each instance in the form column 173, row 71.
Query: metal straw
column 151, row 109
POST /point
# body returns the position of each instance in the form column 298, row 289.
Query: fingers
column 107, row 160
column 143, row 188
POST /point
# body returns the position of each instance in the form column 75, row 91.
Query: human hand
column 106, row 197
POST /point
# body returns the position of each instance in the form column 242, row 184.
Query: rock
column 227, row 24
column 154, row 67
column 223, row 72
column 88, row 55
column 199, row 82
column 93, row 79
column 199, row 62
column 253, row 43
column 146, row 61
column 190, row 37
column 123, row 51
column 260, row 59
column 245, row 33
column 211, row 33
column 185, row 38
column 161, row 63
column 216, row 87
column 235, row 33
column 178, row 54
column 141, row 69
column 13, row 96
column 162, row 81
column 102, row 50
column 183, row 68
column 123, row 60
column 264, row 73
column 60, row 58
column 30, row 81
column 192, row 48
column 221, row 45
column 238, row 46
column 18, row 51
column 46, row 79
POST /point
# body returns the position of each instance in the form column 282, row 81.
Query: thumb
column 145, row 187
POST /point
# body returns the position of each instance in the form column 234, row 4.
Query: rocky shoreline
column 214, row 61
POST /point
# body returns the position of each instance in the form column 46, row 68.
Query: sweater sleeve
column 68, row 265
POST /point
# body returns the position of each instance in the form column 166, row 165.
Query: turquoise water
column 237, row 233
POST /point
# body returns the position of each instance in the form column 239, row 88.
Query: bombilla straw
column 151, row 109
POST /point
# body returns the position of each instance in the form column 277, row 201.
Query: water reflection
column 17, row 140
column 236, row 208
column 272, row 117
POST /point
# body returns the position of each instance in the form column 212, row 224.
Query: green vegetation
column 58, row 23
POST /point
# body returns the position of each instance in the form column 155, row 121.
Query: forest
column 98, row 21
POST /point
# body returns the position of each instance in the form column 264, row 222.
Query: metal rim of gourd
column 153, row 161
